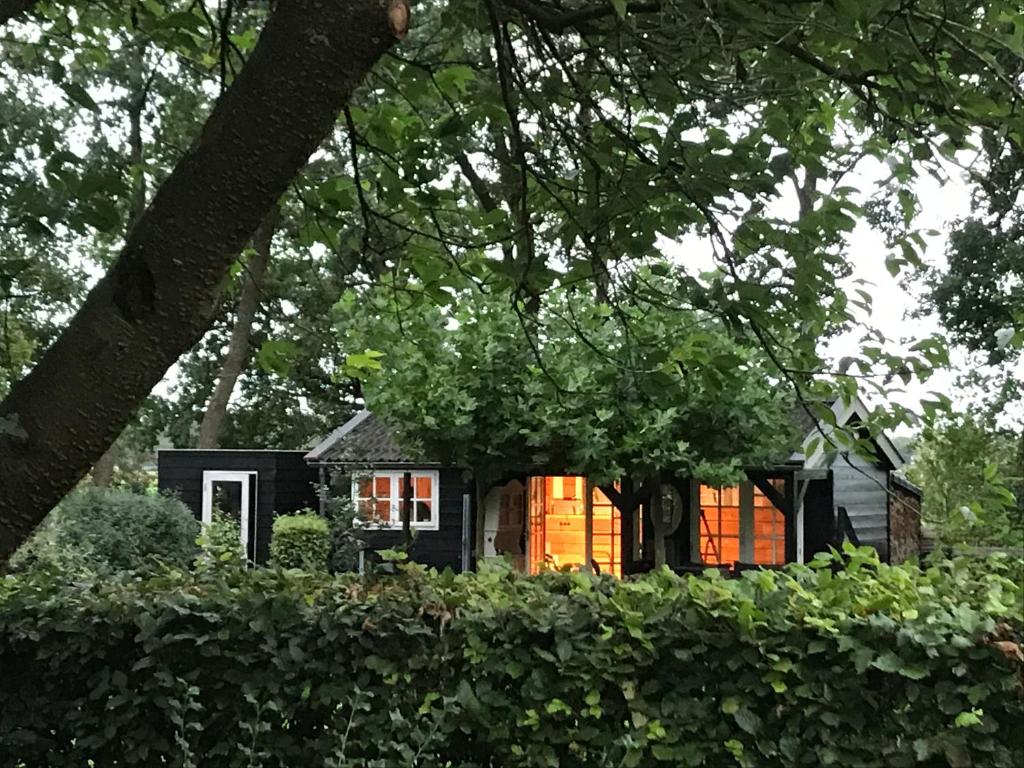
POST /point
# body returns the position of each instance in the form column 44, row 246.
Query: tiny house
column 249, row 486
column 784, row 511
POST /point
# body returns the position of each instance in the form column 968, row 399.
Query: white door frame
column 235, row 476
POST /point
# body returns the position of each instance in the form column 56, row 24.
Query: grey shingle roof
column 364, row 439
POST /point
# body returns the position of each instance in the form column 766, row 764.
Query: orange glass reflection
column 558, row 526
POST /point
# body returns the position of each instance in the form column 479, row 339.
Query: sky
column 896, row 300
column 942, row 203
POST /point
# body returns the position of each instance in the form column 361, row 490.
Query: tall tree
column 237, row 355
column 570, row 384
column 509, row 144
column 160, row 294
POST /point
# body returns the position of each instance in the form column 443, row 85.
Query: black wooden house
column 783, row 512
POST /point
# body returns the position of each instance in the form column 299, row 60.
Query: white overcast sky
column 942, row 203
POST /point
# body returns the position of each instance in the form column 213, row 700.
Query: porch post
column 321, row 490
column 790, row 515
column 588, row 506
column 406, row 512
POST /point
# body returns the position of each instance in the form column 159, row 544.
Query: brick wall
column 904, row 520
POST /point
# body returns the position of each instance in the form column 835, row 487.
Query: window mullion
column 747, row 522
column 396, row 516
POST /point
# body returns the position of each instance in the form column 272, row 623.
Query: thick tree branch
column 557, row 20
column 163, row 291
column 11, row 8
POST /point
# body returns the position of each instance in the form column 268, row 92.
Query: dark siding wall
column 284, row 484
column 861, row 488
column 295, row 483
column 819, row 517
column 437, row 549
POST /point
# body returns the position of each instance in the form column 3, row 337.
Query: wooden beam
column 779, row 500
column 407, row 509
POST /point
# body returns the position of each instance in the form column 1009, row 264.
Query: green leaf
column 969, row 719
column 80, row 96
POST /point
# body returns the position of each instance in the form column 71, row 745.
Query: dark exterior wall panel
column 436, row 549
column 819, row 517
column 181, row 473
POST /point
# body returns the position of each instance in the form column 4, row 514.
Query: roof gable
column 845, row 413
column 364, row 440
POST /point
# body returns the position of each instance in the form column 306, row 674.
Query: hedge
column 300, row 541
column 867, row 666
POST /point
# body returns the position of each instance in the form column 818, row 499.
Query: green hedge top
column 867, row 666
column 300, row 541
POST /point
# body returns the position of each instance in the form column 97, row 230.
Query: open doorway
column 233, row 494
column 558, row 529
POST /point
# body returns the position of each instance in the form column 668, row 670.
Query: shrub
column 868, row 666
column 346, row 544
column 300, row 541
column 109, row 529
column 220, row 545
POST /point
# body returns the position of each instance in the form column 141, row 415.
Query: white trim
column 395, row 523
column 799, row 521
column 248, row 505
column 843, row 412
column 258, row 451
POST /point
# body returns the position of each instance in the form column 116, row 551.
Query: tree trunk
column 11, row 8
column 162, row 292
column 103, row 471
column 237, row 356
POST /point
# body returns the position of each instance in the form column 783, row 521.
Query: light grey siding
column 861, row 489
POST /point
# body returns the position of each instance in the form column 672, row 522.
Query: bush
column 868, row 666
column 300, row 541
column 107, row 529
column 346, row 542
column 220, row 544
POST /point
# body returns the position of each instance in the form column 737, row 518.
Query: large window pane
column 719, row 524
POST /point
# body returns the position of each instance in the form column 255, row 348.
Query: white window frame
column 231, row 476
column 395, row 523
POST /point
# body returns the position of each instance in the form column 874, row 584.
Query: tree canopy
column 514, row 145
column 628, row 389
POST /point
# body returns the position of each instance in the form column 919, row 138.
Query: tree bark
column 237, row 357
column 103, row 470
column 11, row 8
column 162, row 292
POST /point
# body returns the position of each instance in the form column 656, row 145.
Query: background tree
column 973, row 479
column 162, row 291
column 583, row 138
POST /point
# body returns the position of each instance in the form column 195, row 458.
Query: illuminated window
column 739, row 523
column 558, row 526
column 378, row 498
column 769, row 534
column 719, row 524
